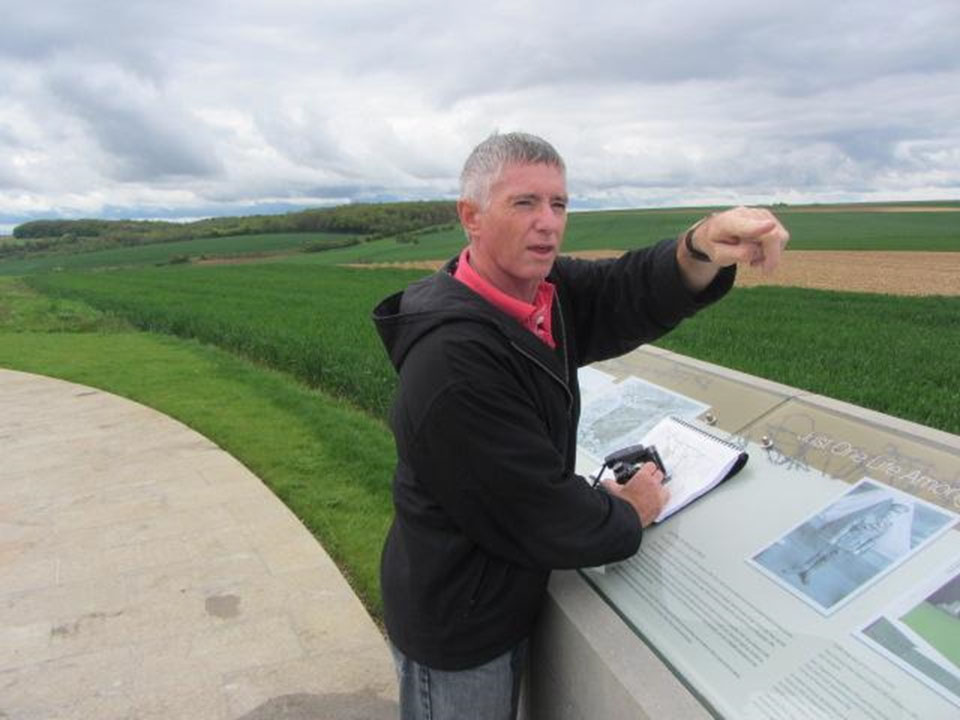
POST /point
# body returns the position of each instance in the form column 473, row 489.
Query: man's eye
column 523, row 203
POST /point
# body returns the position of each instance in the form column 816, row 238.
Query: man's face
column 517, row 236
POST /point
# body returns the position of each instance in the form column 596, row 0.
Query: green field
column 891, row 354
column 313, row 323
column 433, row 246
column 916, row 231
column 821, row 230
column 164, row 253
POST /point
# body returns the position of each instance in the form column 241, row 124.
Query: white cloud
column 209, row 105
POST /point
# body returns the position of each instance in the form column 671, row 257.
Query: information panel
column 788, row 592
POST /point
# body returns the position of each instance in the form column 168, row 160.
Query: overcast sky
column 136, row 108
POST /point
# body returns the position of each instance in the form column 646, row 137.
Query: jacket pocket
column 477, row 587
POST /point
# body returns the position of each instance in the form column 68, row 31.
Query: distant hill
column 919, row 225
column 373, row 220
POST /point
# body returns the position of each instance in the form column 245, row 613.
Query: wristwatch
column 694, row 252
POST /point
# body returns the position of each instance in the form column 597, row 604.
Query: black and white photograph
column 857, row 538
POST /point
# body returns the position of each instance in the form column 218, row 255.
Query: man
column 485, row 418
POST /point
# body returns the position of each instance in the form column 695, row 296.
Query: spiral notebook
column 696, row 461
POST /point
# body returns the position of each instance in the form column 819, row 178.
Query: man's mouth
column 541, row 249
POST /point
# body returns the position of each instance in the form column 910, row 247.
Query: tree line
column 373, row 220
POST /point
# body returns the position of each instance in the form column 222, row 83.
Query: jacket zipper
column 563, row 346
column 565, row 380
column 548, row 371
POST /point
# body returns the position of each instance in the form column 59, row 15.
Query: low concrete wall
column 585, row 664
column 585, row 661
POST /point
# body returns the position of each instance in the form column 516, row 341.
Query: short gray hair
column 489, row 158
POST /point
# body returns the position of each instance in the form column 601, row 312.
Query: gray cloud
column 214, row 104
column 144, row 136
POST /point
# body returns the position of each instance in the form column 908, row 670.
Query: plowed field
column 893, row 273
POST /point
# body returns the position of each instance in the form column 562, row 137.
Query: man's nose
column 550, row 218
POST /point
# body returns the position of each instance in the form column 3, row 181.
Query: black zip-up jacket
column 485, row 419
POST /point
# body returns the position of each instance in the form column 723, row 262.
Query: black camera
column 626, row 461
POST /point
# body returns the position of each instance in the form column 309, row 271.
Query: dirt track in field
column 893, row 273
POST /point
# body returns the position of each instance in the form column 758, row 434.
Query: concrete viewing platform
column 145, row 573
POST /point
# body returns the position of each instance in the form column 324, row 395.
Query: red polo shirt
column 536, row 317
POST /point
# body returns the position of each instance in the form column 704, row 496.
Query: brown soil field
column 892, row 273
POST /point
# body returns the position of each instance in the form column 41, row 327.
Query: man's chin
column 547, row 267
column 542, row 262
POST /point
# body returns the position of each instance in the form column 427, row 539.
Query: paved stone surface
column 145, row 573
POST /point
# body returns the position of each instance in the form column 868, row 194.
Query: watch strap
column 695, row 253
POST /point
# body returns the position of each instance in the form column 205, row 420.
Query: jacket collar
column 404, row 317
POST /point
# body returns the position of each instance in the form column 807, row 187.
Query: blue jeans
column 487, row 692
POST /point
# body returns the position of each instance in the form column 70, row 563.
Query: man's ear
column 469, row 216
